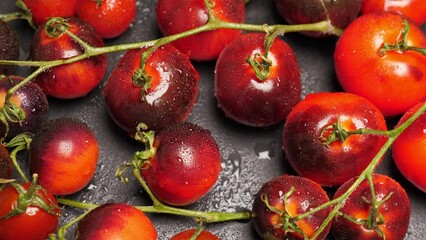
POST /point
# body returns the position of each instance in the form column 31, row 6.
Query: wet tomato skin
column 243, row 96
column 395, row 211
column 306, row 195
column 41, row 10
column 186, row 165
column 187, row 234
column 71, row 80
column 115, row 221
column 409, row 149
column 9, row 46
column 203, row 46
column 6, row 166
column 394, row 81
column 64, row 154
column 334, row 164
column 169, row 99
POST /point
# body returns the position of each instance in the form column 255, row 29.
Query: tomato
column 187, row 234
column 341, row 12
column 392, row 216
column 408, row 149
column 64, row 154
column 42, row 10
column 413, row 9
column 168, row 99
column 178, row 16
column 258, row 102
column 394, row 81
column 115, row 221
column 6, row 166
column 31, row 99
column 276, row 202
column 34, row 223
column 312, row 119
column 9, row 47
column 71, row 80
column 185, row 166
column 110, row 18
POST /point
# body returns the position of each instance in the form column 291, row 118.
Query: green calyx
column 142, row 80
column 56, row 26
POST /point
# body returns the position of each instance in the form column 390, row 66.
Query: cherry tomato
column 394, row 81
column 185, row 166
column 311, row 123
column 283, row 198
column 408, row 149
column 71, row 80
column 187, row 234
column 6, row 166
column 178, row 16
column 413, row 9
column 9, row 47
column 110, row 18
column 64, row 155
column 246, row 98
column 390, row 219
column 115, row 221
column 34, row 223
column 167, row 100
column 42, row 10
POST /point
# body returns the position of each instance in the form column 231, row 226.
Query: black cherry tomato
column 9, row 47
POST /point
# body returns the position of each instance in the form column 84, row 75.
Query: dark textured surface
column 250, row 156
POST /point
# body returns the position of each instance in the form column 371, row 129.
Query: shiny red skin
column 9, row 46
column 64, row 154
column 187, row 234
column 41, row 10
column 409, row 149
column 169, row 99
column 307, row 195
column 33, row 224
column 243, row 96
column 31, row 99
column 341, row 12
column 111, row 18
column 186, row 165
column 178, row 16
column 6, row 166
column 337, row 163
column 413, row 9
column 395, row 211
column 71, row 80
column 395, row 81
column 115, row 221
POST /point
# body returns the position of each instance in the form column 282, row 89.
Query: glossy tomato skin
column 186, row 165
column 169, row 99
column 334, row 164
column 110, row 18
column 243, row 96
column 42, row 10
column 115, row 221
column 71, row 80
column 6, row 166
column 341, row 12
column 393, row 81
column 306, row 195
column 409, row 149
column 64, row 154
column 395, row 211
column 31, row 99
column 187, row 234
column 33, row 224
column 178, row 16
column 413, row 9
column 9, row 46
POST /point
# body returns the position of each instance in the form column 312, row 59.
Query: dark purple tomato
column 6, row 166
column 9, row 47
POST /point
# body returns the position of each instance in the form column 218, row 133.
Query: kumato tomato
column 187, row 234
column 42, row 10
column 9, row 46
column 6, row 166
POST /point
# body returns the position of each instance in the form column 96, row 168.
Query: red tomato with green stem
column 188, row 234
column 42, row 10
column 395, row 79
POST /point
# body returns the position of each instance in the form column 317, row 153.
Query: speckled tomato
column 9, row 47
column 71, row 80
column 6, row 166
column 187, row 234
column 115, row 221
column 64, row 154
column 42, row 10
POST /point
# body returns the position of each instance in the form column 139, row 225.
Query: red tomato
column 395, row 80
column 178, row 16
column 409, row 149
column 413, row 9
column 186, row 235
column 258, row 102
column 109, row 18
column 34, row 223
column 64, row 155
column 307, row 195
column 6, row 166
column 9, row 46
column 394, row 211
column 115, row 221
column 42, row 10
column 333, row 164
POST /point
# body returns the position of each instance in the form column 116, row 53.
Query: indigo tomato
column 9, row 47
